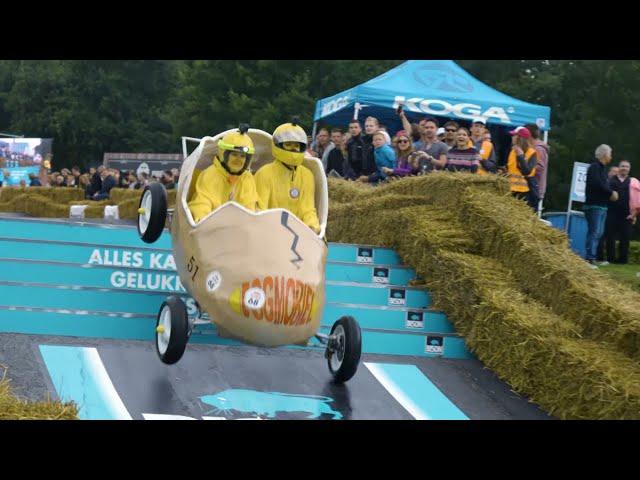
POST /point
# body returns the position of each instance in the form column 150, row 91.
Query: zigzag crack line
column 284, row 221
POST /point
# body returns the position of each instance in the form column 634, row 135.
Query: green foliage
column 93, row 107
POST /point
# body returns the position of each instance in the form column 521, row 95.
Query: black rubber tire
column 158, row 212
column 179, row 336
column 352, row 349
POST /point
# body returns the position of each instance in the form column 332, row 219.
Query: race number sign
column 365, row 255
column 434, row 344
column 414, row 320
column 579, row 181
column 380, row 275
column 397, row 296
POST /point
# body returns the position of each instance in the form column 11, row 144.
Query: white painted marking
column 161, row 416
column 107, row 390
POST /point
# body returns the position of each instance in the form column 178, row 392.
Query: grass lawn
column 627, row 274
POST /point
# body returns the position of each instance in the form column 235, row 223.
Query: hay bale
column 550, row 272
column 119, row 195
column 41, row 206
column 517, row 333
column 539, row 353
column 129, row 208
column 55, row 194
column 441, row 188
column 14, row 408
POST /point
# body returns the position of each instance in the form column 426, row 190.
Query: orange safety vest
column 485, row 153
column 517, row 181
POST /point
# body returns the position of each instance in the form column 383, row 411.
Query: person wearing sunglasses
column 450, row 129
column 403, row 148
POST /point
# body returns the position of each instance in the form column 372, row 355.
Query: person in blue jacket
column 385, row 158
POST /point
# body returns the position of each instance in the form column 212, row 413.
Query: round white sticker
column 254, row 298
column 214, row 279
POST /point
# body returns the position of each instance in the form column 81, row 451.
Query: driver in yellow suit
column 285, row 182
column 228, row 179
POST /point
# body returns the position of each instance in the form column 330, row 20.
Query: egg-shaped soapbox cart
column 260, row 277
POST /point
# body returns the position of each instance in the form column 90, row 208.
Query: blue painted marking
column 74, row 380
column 269, row 403
column 408, row 382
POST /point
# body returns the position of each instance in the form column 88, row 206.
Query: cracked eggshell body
column 248, row 272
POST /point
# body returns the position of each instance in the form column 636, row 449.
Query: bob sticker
column 254, row 298
column 214, row 279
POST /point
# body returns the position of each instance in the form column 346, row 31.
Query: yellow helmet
column 285, row 133
column 239, row 142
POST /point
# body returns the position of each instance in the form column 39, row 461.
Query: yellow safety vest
column 517, row 181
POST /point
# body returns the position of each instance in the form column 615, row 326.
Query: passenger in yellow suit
column 228, row 179
column 285, row 182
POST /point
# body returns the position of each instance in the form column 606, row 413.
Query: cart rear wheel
column 344, row 356
column 172, row 330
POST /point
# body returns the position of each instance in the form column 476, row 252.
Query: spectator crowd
column 97, row 182
column 611, row 208
column 372, row 155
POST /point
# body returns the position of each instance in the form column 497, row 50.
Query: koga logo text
column 468, row 111
column 334, row 105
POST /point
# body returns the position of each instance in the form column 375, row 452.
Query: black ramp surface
column 147, row 386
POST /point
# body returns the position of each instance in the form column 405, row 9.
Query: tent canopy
column 438, row 88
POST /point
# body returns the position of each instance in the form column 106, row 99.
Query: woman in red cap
column 521, row 167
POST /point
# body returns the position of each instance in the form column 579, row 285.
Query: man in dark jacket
column 34, row 181
column 359, row 153
column 618, row 223
column 108, row 182
column 96, row 182
column 598, row 193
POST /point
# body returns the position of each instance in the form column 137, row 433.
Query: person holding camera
column 434, row 152
column 598, row 193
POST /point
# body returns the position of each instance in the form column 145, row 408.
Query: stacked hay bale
column 526, row 305
column 14, row 408
column 55, row 202
column 563, row 281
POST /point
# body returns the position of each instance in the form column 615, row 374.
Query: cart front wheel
column 152, row 212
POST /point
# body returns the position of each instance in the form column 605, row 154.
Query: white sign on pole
column 578, row 188
column 579, row 182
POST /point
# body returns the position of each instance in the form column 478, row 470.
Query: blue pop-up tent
column 438, row 88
